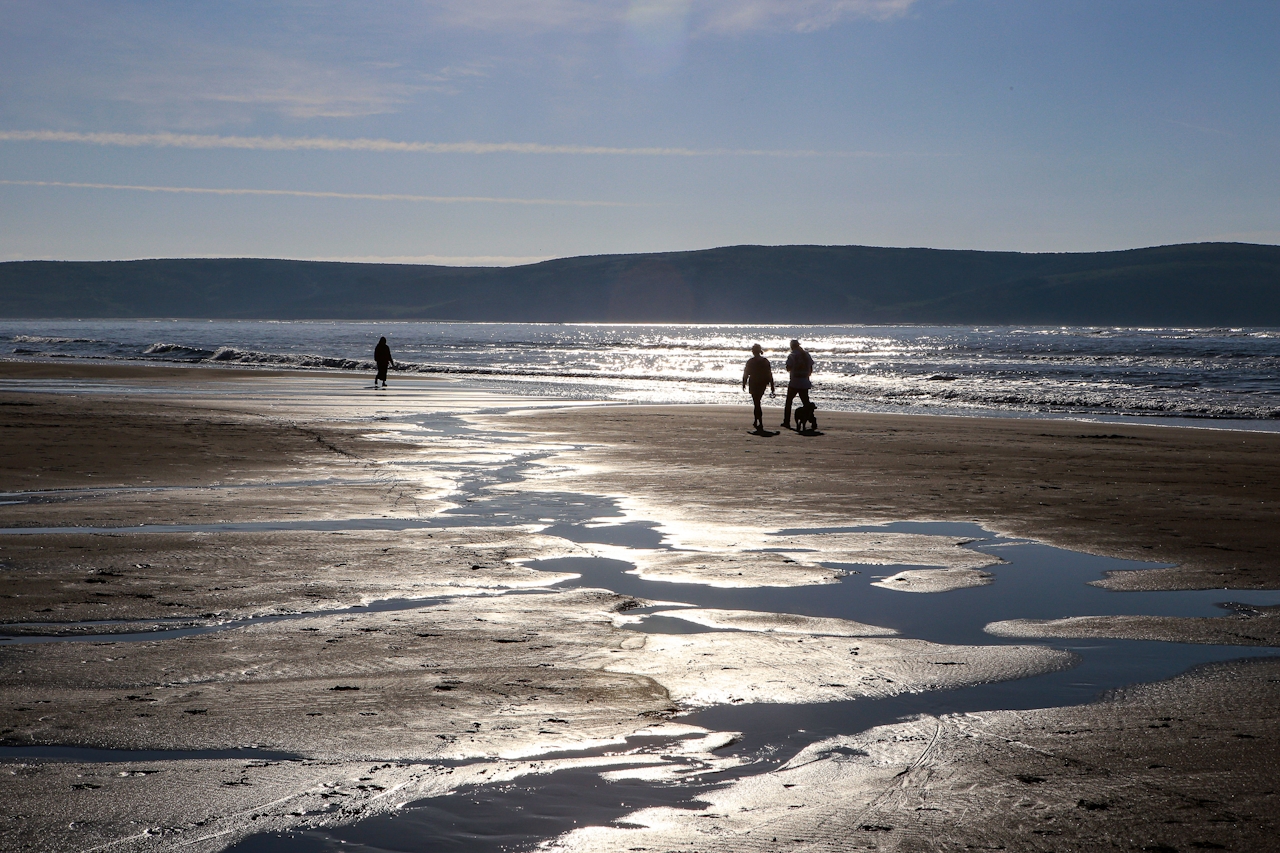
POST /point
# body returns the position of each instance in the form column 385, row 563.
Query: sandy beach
column 303, row 604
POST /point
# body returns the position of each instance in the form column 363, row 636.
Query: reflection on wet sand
column 504, row 661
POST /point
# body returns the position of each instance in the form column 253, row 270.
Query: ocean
column 1204, row 377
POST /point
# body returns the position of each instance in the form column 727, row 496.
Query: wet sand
column 1187, row 764
column 1246, row 626
column 237, row 511
column 462, row 678
column 1205, row 500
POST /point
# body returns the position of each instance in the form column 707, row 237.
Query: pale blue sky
column 544, row 128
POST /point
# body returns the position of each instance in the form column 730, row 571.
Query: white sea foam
column 48, row 339
column 176, row 350
column 232, row 355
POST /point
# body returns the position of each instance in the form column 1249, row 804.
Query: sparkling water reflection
column 1221, row 374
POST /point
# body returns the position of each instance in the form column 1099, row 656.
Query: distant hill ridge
column 1199, row 284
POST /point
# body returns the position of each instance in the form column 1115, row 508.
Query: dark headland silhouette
column 1200, row 284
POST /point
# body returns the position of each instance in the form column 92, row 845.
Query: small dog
column 806, row 420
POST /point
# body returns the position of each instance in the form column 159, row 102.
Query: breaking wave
column 231, row 355
column 178, row 351
column 44, row 339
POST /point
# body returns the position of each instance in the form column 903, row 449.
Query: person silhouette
column 758, row 373
column 382, row 356
column 799, row 366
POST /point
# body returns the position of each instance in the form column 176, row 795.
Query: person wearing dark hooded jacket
column 800, row 366
column 382, row 357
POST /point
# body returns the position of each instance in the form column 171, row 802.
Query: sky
column 505, row 131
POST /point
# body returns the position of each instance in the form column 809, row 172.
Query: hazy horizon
column 500, row 261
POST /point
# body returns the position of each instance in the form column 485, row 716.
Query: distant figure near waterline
column 800, row 366
column 382, row 355
column 758, row 373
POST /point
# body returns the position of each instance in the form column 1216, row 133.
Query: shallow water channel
column 1037, row 581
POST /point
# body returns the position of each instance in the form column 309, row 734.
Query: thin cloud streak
column 736, row 17
column 437, row 199
column 323, row 143
column 717, row 17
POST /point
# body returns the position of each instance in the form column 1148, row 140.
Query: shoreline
column 11, row 368
column 72, row 368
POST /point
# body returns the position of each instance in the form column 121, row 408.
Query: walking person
column 757, row 374
column 799, row 366
column 382, row 356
